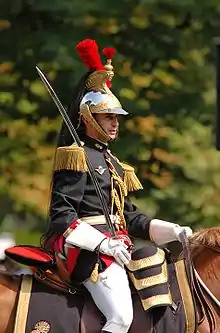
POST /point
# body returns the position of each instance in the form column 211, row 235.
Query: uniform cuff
column 73, row 226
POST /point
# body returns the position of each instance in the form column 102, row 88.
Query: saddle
column 47, row 267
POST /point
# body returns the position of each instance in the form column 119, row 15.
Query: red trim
column 30, row 252
column 73, row 253
column 72, row 256
column 74, row 225
column 58, row 244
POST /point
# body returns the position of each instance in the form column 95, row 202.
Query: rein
column 212, row 296
column 190, row 273
column 200, row 287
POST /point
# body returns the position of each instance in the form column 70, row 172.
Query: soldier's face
column 109, row 123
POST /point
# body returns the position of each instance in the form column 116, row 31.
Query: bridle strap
column 195, row 285
column 212, row 296
column 200, row 287
column 189, row 270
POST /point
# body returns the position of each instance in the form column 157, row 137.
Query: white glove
column 162, row 232
column 180, row 229
column 84, row 236
column 117, row 249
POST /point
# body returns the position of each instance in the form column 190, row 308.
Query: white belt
column 100, row 219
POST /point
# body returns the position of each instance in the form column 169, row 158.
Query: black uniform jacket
column 74, row 196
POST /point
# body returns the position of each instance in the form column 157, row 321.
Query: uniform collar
column 95, row 144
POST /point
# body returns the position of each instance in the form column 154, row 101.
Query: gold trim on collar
column 151, row 280
column 156, row 259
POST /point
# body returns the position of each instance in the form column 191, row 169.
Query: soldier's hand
column 117, row 249
column 162, row 232
column 180, row 229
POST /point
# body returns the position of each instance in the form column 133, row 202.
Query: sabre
column 76, row 138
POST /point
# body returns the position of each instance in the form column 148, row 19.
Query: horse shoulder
column 9, row 287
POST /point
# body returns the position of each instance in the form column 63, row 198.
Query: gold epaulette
column 130, row 179
column 70, row 158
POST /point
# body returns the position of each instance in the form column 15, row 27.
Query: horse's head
column 205, row 250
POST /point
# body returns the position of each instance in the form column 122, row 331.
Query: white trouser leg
column 112, row 295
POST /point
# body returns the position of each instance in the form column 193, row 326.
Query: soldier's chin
column 113, row 137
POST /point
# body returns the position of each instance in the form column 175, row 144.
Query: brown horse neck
column 9, row 281
column 207, row 264
column 9, row 287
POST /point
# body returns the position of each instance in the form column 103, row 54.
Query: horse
column 205, row 255
column 205, row 252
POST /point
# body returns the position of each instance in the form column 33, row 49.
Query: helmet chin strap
column 101, row 134
column 107, row 136
column 103, row 131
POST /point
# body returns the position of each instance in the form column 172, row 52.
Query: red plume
column 89, row 53
column 109, row 52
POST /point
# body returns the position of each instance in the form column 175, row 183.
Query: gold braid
column 118, row 198
column 118, row 201
column 120, row 207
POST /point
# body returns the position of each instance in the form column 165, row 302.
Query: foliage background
column 165, row 78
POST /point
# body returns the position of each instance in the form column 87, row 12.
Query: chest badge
column 100, row 170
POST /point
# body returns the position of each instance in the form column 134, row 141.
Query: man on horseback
column 78, row 231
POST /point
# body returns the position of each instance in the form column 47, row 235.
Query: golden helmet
column 98, row 97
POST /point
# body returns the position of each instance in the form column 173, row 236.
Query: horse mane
column 209, row 237
column 201, row 243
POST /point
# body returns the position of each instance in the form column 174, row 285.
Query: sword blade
column 76, row 138
column 60, row 107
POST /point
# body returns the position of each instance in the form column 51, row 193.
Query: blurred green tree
column 164, row 78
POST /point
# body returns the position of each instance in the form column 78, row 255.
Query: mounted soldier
column 78, row 232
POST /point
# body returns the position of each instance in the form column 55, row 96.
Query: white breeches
column 112, row 295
